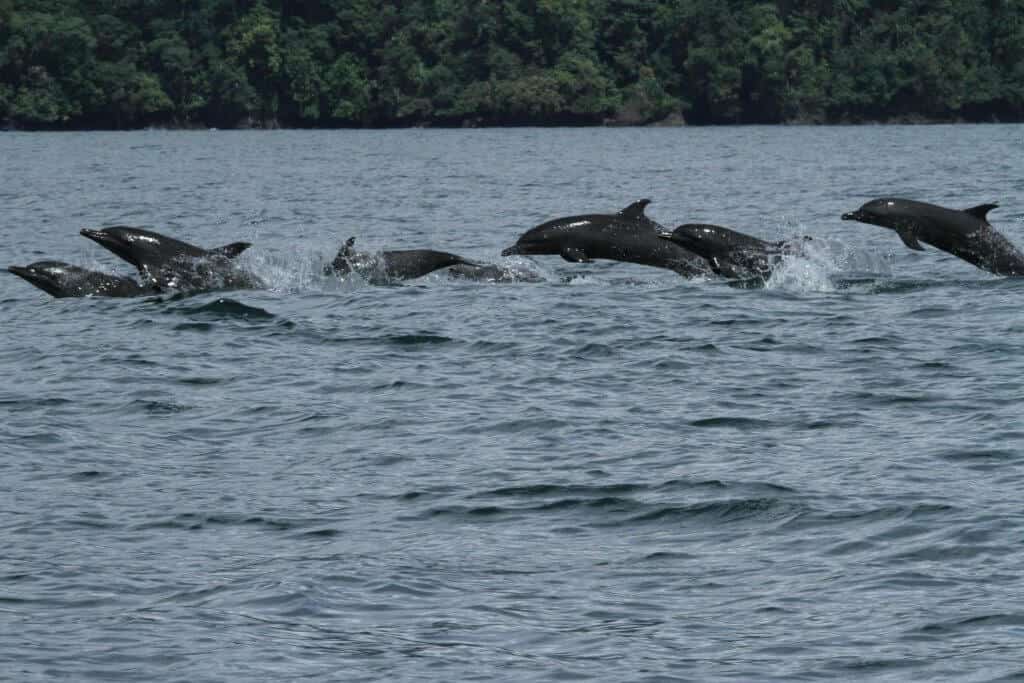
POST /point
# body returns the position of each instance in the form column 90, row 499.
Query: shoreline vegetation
column 242, row 64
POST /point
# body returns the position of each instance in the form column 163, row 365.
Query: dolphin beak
column 97, row 236
column 511, row 251
column 39, row 280
column 665, row 234
column 852, row 216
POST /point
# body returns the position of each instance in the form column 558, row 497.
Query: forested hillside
column 229, row 63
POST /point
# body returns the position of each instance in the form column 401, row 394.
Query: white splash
column 821, row 265
column 299, row 269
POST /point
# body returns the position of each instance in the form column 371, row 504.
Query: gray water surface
column 615, row 474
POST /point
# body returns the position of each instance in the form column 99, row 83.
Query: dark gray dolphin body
column 966, row 234
column 730, row 253
column 65, row 280
column 170, row 264
column 492, row 273
column 391, row 266
column 628, row 235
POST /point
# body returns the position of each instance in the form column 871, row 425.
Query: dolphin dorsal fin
column 348, row 249
column 635, row 211
column 231, row 250
column 981, row 210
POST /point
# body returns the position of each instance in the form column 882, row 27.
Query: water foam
column 298, row 269
column 821, row 265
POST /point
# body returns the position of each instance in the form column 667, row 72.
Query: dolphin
column 390, row 266
column 61, row 280
column 167, row 263
column 628, row 235
column 966, row 234
column 492, row 273
column 730, row 253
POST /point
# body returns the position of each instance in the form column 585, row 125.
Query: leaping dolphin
column 390, row 266
column 169, row 264
column 62, row 280
column 966, row 234
column 730, row 253
column 628, row 235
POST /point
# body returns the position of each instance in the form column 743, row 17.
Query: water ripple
column 611, row 474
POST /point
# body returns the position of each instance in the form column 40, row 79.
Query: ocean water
column 615, row 474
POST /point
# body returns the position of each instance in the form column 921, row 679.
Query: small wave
column 900, row 286
column 613, row 506
column 605, row 490
column 595, row 351
column 161, row 407
column 201, row 381
column 194, row 521
column 986, row 455
column 724, row 510
column 416, row 339
column 895, row 513
column 984, row 621
column 734, row 422
column 23, row 404
column 90, row 475
column 560, row 490
column 222, row 309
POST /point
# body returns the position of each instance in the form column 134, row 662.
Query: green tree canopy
column 228, row 63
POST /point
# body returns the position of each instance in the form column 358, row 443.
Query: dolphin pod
column 165, row 264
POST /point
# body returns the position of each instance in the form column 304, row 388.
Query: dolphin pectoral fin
column 910, row 239
column 981, row 211
column 231, row 250
column 635, row 211
column 575, row 255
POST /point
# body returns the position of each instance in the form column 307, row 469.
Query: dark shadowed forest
column 333, row 63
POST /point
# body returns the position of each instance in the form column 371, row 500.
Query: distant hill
column 331, row 63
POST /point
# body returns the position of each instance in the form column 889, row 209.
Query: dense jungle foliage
column 230, row 63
